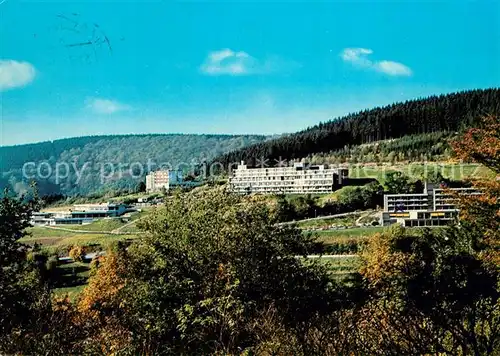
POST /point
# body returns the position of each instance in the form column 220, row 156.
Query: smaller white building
column 436, row 206
column 58, row 218
column 167, row 179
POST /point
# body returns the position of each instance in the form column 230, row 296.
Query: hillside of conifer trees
column 443, row 113
column 93, row 153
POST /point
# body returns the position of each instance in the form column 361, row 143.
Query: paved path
column 357, row 222
column 90, row 256
column 90, row 231
column 325, row 217
column 368, row 213
column 331, row 256
column 117, row 230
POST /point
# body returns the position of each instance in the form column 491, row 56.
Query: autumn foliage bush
column 77, row 253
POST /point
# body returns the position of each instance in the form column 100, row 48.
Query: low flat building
column 436, row 206
column 301, row 178
column 80, row 214
column 100, row 210
column 58, row 218
column 70, row 220
column 167, row 179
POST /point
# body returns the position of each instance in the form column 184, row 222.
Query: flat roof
column 89, row 212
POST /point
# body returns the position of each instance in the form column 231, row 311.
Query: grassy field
column 358, row 232
column 419, row 170
column 340, row 269
column 345, row 241
column 99, row 225
column 57, row 239
column 324, row 198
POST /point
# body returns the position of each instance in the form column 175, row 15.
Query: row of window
column 287, row 191
column 285, row 177
column 284, row 184
column 436, row 215
column 426, row 222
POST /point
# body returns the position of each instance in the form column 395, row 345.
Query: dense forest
column 120, row 157
column 449, row 113
column 432, row 146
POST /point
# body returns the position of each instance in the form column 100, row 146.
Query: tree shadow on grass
column 69, row 276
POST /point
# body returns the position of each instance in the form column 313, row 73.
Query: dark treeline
column 451, row 112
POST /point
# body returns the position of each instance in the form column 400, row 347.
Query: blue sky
column 78, row 68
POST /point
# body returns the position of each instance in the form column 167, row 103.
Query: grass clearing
column 60, row 238
column 358, row 232
column 376, row 172
column 72, row 292
column 418, row 170
column 107, row 224
column 95, row 239
column 37, row 232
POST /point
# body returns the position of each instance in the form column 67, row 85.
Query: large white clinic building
column 436, row 206
column 301, row 178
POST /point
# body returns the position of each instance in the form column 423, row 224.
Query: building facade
column 436, row 206
column 301, row 178
column 167, row 179
column 157, row 180
column 101, row 210
column 80, row 214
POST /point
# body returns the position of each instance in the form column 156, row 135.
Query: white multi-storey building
column 157, row 180
column 434, row 207
column 167, row 179
column 300, row 178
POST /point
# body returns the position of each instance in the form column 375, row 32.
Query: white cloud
column 14, row 74
column 356, row 55
column 105, row 106
column 229, row 62
column 393, row 68
column 359, row 57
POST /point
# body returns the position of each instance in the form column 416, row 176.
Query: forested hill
column 109, row 152
column 449, row 112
